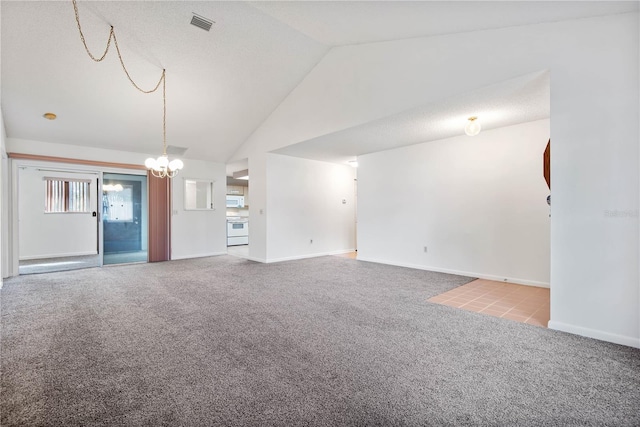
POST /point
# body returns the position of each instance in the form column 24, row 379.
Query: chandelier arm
column 156, row 173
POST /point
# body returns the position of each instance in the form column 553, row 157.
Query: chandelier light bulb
column 162, row 167
column 473, row 126
column 175, row 165
column 163, row 161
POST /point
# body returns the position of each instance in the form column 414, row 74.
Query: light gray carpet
column 328, row 341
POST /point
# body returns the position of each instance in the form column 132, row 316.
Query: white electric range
column 237, row 231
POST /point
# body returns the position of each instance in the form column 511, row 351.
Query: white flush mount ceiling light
column 160, row 167
column 473, row 126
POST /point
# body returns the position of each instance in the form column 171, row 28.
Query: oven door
column 235, row 229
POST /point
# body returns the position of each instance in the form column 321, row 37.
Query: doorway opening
column 124, row 212
column 238, row 209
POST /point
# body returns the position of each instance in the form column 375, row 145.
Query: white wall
column 594, row 126
column 478, row 204
column 199, row 233
column 4, row 212
column 305, row 202
column 192, row 235
column 258, row 212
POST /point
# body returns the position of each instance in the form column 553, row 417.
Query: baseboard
column 595, row 333
column 247, row 257
column 29, row 258
column 515, row 280
column 197, row 255
column 314, row 255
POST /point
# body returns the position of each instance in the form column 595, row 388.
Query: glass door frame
column 119, row 171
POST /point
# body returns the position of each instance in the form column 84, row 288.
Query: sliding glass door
column 124, row 218
column 57, row 219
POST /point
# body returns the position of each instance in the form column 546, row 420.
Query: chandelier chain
column 167, row 169
column 84, row 42
column 164, row 113
column 112, row 35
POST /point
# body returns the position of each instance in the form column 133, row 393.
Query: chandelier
column 160, row 167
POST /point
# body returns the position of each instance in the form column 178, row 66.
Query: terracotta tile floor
column 352, row 255
column 526, row 304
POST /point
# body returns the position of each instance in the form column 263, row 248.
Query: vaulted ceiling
column 222, row 84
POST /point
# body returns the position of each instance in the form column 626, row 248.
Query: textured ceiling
column 221, row 85
column 338, row 23
column 519, row 100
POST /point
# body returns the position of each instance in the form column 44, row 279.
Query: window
column 117, row 202
column 66, row 195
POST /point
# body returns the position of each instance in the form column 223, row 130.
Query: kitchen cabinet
column 235, row 190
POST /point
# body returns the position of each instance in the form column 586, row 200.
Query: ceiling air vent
column 176, row 151
column 202, row 22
